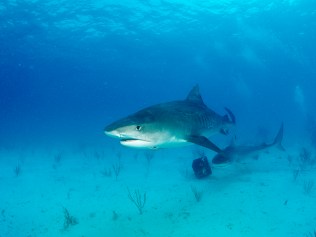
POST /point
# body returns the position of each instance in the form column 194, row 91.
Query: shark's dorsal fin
column 195, row 96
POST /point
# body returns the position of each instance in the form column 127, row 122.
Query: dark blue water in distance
column 68, row 68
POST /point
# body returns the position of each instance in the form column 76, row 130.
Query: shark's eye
column 138, row 128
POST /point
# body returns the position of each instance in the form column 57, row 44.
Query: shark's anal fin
column 203, row 141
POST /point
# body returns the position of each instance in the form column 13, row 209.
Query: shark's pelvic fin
column 203, row 141
column 195, row 96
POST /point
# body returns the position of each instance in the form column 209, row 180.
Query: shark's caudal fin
column 195, row 96
column 278, row 139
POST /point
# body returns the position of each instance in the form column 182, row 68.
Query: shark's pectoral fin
column 203, row 141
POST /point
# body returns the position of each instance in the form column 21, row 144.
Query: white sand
column 258, row 198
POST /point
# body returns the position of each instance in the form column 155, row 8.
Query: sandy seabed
column 250, row 198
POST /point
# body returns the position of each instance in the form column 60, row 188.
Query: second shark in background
column 236, row 153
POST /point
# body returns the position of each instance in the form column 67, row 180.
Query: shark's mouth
column 132, row 142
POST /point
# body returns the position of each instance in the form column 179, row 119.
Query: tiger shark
column 172, row 124
column 235, row 152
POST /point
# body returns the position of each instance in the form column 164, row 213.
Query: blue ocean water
column 68, row 68
column 73, row 66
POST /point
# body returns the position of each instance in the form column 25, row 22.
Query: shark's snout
column 108, row 131
column 118, row 132
column 111, row 133
column 114, row 130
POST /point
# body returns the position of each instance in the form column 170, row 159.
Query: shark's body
column 238, row 153
column 172, row 124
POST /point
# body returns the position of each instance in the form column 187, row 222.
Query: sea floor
column 76, row 193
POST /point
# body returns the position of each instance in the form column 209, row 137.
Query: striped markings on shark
column 170, row 124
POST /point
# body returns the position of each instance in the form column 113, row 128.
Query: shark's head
column 139, row 130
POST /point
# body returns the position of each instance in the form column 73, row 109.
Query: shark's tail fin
column 278, row 139
column 230, row 117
